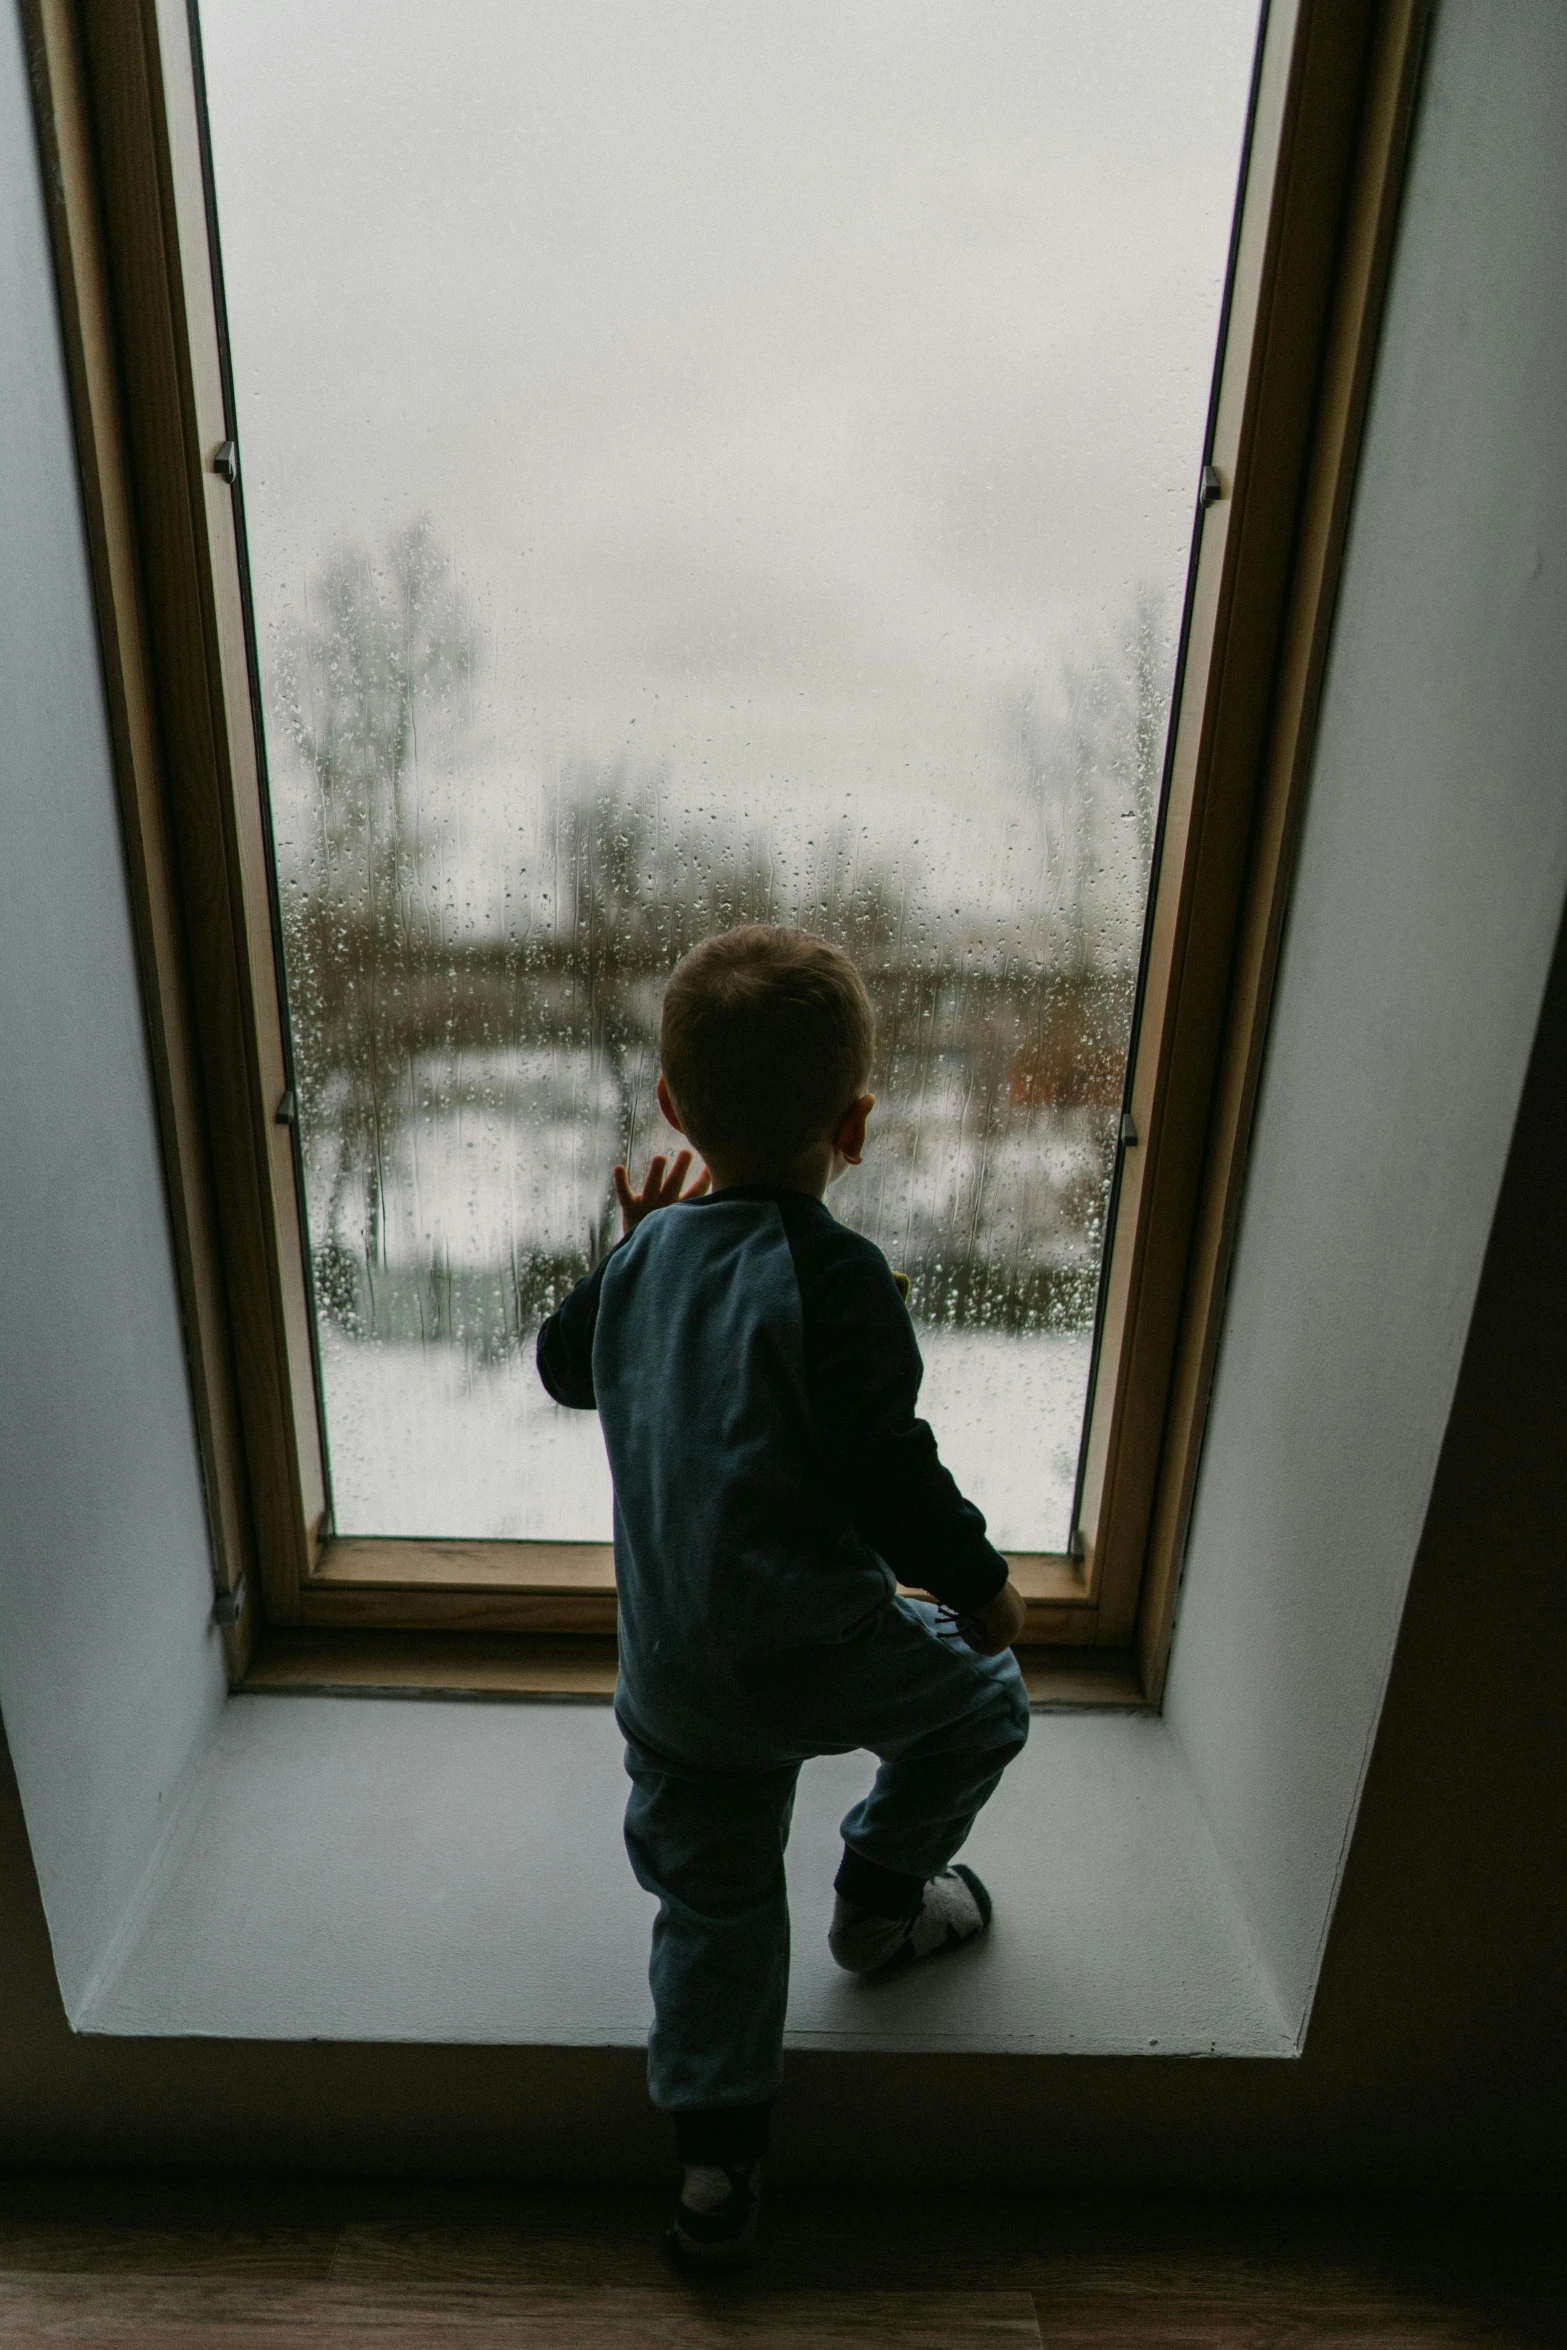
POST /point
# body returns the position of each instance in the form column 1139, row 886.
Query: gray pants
column 710, row 1844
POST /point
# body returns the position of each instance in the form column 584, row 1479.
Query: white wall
column 1425, row 907
column 110, row 1678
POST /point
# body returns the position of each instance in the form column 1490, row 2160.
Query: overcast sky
column 794, row 383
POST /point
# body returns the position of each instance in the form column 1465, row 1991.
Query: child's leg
column 711, row 1848
column 945, row 1722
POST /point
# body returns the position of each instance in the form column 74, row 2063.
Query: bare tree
column 1091, row 766
column 1033, row 1031
column 385, row 640
column 636, row 893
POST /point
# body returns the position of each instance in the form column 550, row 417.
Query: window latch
column 229, row 1606
column 1210, row 489
column 1128, row 1131
column 225, row 462
column 287, row 1111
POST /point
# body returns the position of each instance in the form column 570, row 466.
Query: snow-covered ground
column 426, row 1441
column 504, row 1155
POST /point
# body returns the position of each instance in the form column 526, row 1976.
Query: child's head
column 766, row 1047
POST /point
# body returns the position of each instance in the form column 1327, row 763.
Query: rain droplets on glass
column 720, row 620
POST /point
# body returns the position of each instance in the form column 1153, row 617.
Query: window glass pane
column 707, row 462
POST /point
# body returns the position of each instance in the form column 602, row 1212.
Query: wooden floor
column 172, row 2264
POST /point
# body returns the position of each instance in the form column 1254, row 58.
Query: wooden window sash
column 1335, row 99
column 126, row 211
column 120, row 138
column 367, row 1582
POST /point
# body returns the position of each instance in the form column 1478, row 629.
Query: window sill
column 579, row 1668
column 369, row 1583
column 466, row 1884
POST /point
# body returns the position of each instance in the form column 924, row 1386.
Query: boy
column 756, row 1373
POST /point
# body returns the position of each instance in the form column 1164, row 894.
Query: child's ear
column 667, row 1105
column 849, row 1140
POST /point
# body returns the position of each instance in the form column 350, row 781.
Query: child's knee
column 1013, row 1718
column 999, row 1719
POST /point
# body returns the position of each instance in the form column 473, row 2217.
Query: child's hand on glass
column 660, row 1190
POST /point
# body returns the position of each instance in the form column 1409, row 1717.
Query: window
column 703, row 463
column 665, row 502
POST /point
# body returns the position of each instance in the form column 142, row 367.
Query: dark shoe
column 715, row 2218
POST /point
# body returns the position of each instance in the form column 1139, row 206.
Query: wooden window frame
column 120, row 126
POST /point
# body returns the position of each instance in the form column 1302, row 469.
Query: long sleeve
column 564, row 1353
column 863, row 1371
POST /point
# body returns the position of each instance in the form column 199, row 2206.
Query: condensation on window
column 706, row 465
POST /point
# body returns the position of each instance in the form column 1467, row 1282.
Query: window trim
column 115, row 87
column 148, row 417
column 373, row 1581
column 1333, row 113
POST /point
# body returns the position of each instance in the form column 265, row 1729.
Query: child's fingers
column 661, row 1189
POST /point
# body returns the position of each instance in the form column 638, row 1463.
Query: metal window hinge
column 1076, row 1547
column 1128, row 1131
column 225, row 462
column 287, row 1111
column 229, row 1606
column 1210, row 488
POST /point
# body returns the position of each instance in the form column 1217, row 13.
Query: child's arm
column 997, row 1624
column 564, row 1353
column 863, row 1372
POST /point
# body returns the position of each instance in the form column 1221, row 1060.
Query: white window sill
column 374, row 1869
